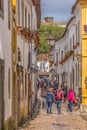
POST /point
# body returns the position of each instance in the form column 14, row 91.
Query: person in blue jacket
column 49, row 100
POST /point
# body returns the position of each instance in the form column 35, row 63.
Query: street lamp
column 50, row 40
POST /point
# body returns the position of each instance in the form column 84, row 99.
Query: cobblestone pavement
column 65, row 121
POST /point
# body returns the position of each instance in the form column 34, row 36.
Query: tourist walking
column 59, row 97
column 43, row 95
column 71, row 100
column 65, row 93
column 80, row 94
column 49, row 100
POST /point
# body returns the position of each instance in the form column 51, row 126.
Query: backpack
column 58, row 95
column 49, row 98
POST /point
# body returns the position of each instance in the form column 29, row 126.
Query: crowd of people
column 52, row 92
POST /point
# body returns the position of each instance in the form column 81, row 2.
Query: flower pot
column 75, row 46
column 77, row 43
column 19, row 28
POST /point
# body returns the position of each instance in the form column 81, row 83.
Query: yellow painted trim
column 14, row 3
column 83, row 4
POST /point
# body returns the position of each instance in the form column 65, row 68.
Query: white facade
column 43, row 66
column 69, row 70
column 25, row 17
column 5, row 54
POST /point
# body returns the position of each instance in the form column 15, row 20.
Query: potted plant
column 71, row 52
column 19, row 28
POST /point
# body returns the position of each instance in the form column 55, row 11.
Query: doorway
column 1, row 94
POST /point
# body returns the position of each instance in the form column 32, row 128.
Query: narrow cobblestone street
column 65, row 121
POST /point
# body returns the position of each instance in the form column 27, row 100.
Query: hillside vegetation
column 44, row 31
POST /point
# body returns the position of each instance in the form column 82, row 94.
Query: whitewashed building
column 5, row 63
column 67, row 52
column 19, row 21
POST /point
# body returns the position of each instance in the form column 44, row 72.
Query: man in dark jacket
column 50, row 100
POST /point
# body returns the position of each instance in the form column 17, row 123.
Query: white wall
column 70, row 64
column 5, row 45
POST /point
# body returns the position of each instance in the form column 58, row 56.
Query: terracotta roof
column 74, row 6
column 42, row 57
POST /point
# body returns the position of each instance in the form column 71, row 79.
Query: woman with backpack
column 59, row 97
column 50, row 100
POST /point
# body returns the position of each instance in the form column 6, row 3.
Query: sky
column 60, row 10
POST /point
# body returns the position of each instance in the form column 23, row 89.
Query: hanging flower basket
column 77, row 43
column 71, row 52
column 19, row 28
column 61, row 62
column 30, row 93
column 75, row 46
column 65, row 58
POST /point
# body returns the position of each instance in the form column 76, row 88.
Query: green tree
column 44, row 31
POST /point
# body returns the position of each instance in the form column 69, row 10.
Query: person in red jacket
column 71, row 99
column 59, row 97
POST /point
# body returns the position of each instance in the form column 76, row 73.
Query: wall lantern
column 50, row 40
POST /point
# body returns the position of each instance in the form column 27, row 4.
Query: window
column 76, row 75
column 62, row 55
column 78, row 31
column 76, row 34
column 64, row 50
column 31, row 17
column 25, row 17
column 28, row 20
column 9, row 83
column 67, row 48
column 0, row 4
column 73, row 40
column 70, row 44
column 22, row 4
column 18, row 12
column 57, row 58
column 25, row 83
column 2, row 8
column 73, row 45
column 9, row 5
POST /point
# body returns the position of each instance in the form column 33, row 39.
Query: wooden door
column 1, row 94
